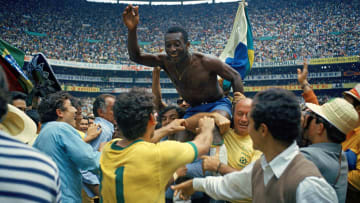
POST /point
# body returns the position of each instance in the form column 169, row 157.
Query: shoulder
column 18, row 151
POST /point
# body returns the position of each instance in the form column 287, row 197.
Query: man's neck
column 274, row 150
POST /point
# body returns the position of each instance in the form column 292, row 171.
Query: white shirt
column 238, row 185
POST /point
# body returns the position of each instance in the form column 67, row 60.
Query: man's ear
column 320, row 128
column 152, row 119
column 264, row 130
column 100, row 112
column 59, row 113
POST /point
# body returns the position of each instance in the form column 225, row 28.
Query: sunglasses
column 179, row 101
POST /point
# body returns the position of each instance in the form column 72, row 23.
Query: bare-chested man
column 193, row 74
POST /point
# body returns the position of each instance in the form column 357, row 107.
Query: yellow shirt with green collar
column 141, row 171
column 352, row 142
column 240, row 153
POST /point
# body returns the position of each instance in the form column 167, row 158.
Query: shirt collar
column 281, row 161
column 104, row 121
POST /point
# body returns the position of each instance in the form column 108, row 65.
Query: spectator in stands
column 26, row 175
column 61, row 141
column 281, row 173
column 19, row 100
column 326, row 129
column 154, row 164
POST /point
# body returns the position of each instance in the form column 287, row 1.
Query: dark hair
column 132, row 111
column 18, row 95
column 333, row 134
column 34, row 115
column 99, row 103
column 76, row 102
column 279, row 110
column 179, row 111
column 4, row 97
column 177, row 29
column 49, row 104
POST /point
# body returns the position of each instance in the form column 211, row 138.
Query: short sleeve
column 175, row 154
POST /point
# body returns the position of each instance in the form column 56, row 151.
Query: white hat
column 354, row 92
column 337, row 112
column 18, row 124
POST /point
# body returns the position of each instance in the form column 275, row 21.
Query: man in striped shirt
column 25, row 174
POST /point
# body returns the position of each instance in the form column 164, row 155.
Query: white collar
column 281, row 161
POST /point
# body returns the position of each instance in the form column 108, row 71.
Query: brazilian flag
column 12, row 61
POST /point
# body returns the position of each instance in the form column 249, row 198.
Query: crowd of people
column 212, row 146
column 125, row 150
column 90, row 32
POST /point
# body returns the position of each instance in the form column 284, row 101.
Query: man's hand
column 302, row 75
column 180, row 172
column 222, row 123
column 176, row 125
column 206, row 123
column 210, row 163
column 93, row 132
column 131, row 16
column 237, row 97
column 185, row 189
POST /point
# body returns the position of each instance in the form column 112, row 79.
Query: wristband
column 304, row 85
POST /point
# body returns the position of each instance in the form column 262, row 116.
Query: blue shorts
column 223, row 104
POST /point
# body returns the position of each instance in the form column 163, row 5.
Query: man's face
column 168, row 117
column 309, row 125
column 109, row 113
column 241, row 120
column 20, row 104
column 354, row 102
column 78, row 117
column 175, row 46
column 84, row 124
column 69, row 114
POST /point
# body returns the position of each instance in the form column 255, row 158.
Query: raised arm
column 308, row 93
column 131, row 20
column 156, row 90
column 226, row 72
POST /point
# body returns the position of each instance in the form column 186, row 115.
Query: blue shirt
column 64, row 145
column 107, row 131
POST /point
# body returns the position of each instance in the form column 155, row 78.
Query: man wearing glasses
column 325, row 127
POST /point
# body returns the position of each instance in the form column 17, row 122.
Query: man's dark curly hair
column 49, row 104
column 279, row 110
column 4, row 96
column 132, row 111
column 177, row 29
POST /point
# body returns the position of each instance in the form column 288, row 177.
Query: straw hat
column 338, row 112
column 18, row 124
column 354, row 92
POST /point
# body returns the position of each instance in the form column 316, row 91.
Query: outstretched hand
column 131, row 16
column 184, row 189
column 302, row 75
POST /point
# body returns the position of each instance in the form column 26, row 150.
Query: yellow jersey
column 240, row 153
column 140, row 172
